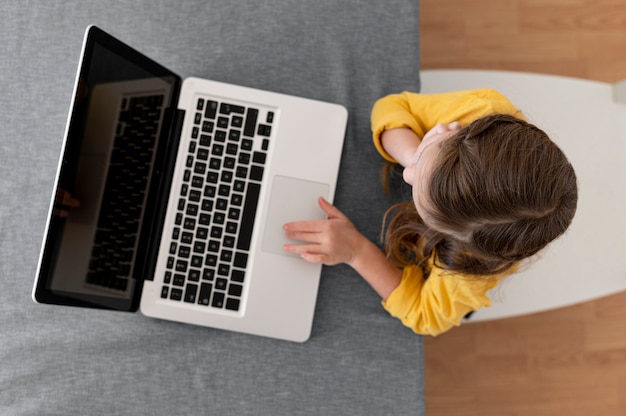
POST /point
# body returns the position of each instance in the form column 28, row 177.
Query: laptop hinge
column 163, row 172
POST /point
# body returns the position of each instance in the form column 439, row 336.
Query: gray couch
column 69, row 361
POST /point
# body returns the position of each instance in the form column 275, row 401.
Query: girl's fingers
column 303, row 227
column 309, row 237
column 314, row 258
column 303, row 249
column 330, row 209
column 309, row 253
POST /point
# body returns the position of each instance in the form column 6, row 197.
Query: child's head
column 485, row 196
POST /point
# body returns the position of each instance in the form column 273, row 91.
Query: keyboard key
column 202, row 233
column 242, row 172
column 235, row 290
column 215, row 163
column 226, row 256
column 205, row 293
column 236, row 199
column 220, row 284
column 234, row 213
column 229, row 162
column 229, row 241
column 208, row 274
column 239, row 186
column 186, row 237
column 232, row 304
column 210, row 260
column 213, row 177
column 208, row 126
column 181, row 266
column 227, row 176
column 190, row 293
column 216, row 232
column 179, row 280
column 205, row 140
column 194, row 196
column 237, row 276
column 176, row 294
column 192, row 209
column 264, row 130
column 203, row 154
column 241, row 260
column 232, row 148
column 249, row 212
column 219, row 217
column 211, row 109
column 244, row 158
column 251, row 119
column 236, row 121
column 218, row 300
column 220, row 136
column 196, row 261
column 222, row 122
column 224, row 190
column 234, row 135
column 259, row 157
column 184, row 251
column 199, row 247
column 214, row 246
column 207, row 205
column 194, row 275
column 247, row 144
column 256, row 173
column 231, row 228
column 231, row 108
column 189, row 223
column 223, row 269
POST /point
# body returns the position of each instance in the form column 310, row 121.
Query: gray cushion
column 60, row 360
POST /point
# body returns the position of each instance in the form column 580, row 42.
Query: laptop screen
column 115, row 144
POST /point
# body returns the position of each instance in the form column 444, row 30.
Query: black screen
column 108, row 181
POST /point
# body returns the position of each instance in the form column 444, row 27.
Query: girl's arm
column 335, row 241
column 401, row 144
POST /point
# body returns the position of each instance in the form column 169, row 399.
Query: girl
column 488, row 191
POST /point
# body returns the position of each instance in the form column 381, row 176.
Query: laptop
column 170, row 196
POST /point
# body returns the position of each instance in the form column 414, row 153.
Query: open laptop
column 170, row 196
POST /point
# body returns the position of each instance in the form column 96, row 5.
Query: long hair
column 500, row 191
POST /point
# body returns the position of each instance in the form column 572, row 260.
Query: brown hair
column 500, row 191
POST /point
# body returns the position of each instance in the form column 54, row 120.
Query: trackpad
column 291, row 200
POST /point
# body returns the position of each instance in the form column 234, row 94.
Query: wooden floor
column 570, row 361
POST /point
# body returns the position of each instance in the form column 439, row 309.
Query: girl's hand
column 331, row 241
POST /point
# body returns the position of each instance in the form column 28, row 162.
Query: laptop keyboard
column 124, row 193
column 216, row 207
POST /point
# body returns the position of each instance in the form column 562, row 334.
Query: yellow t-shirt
column 434, row 305
column 421, row 112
